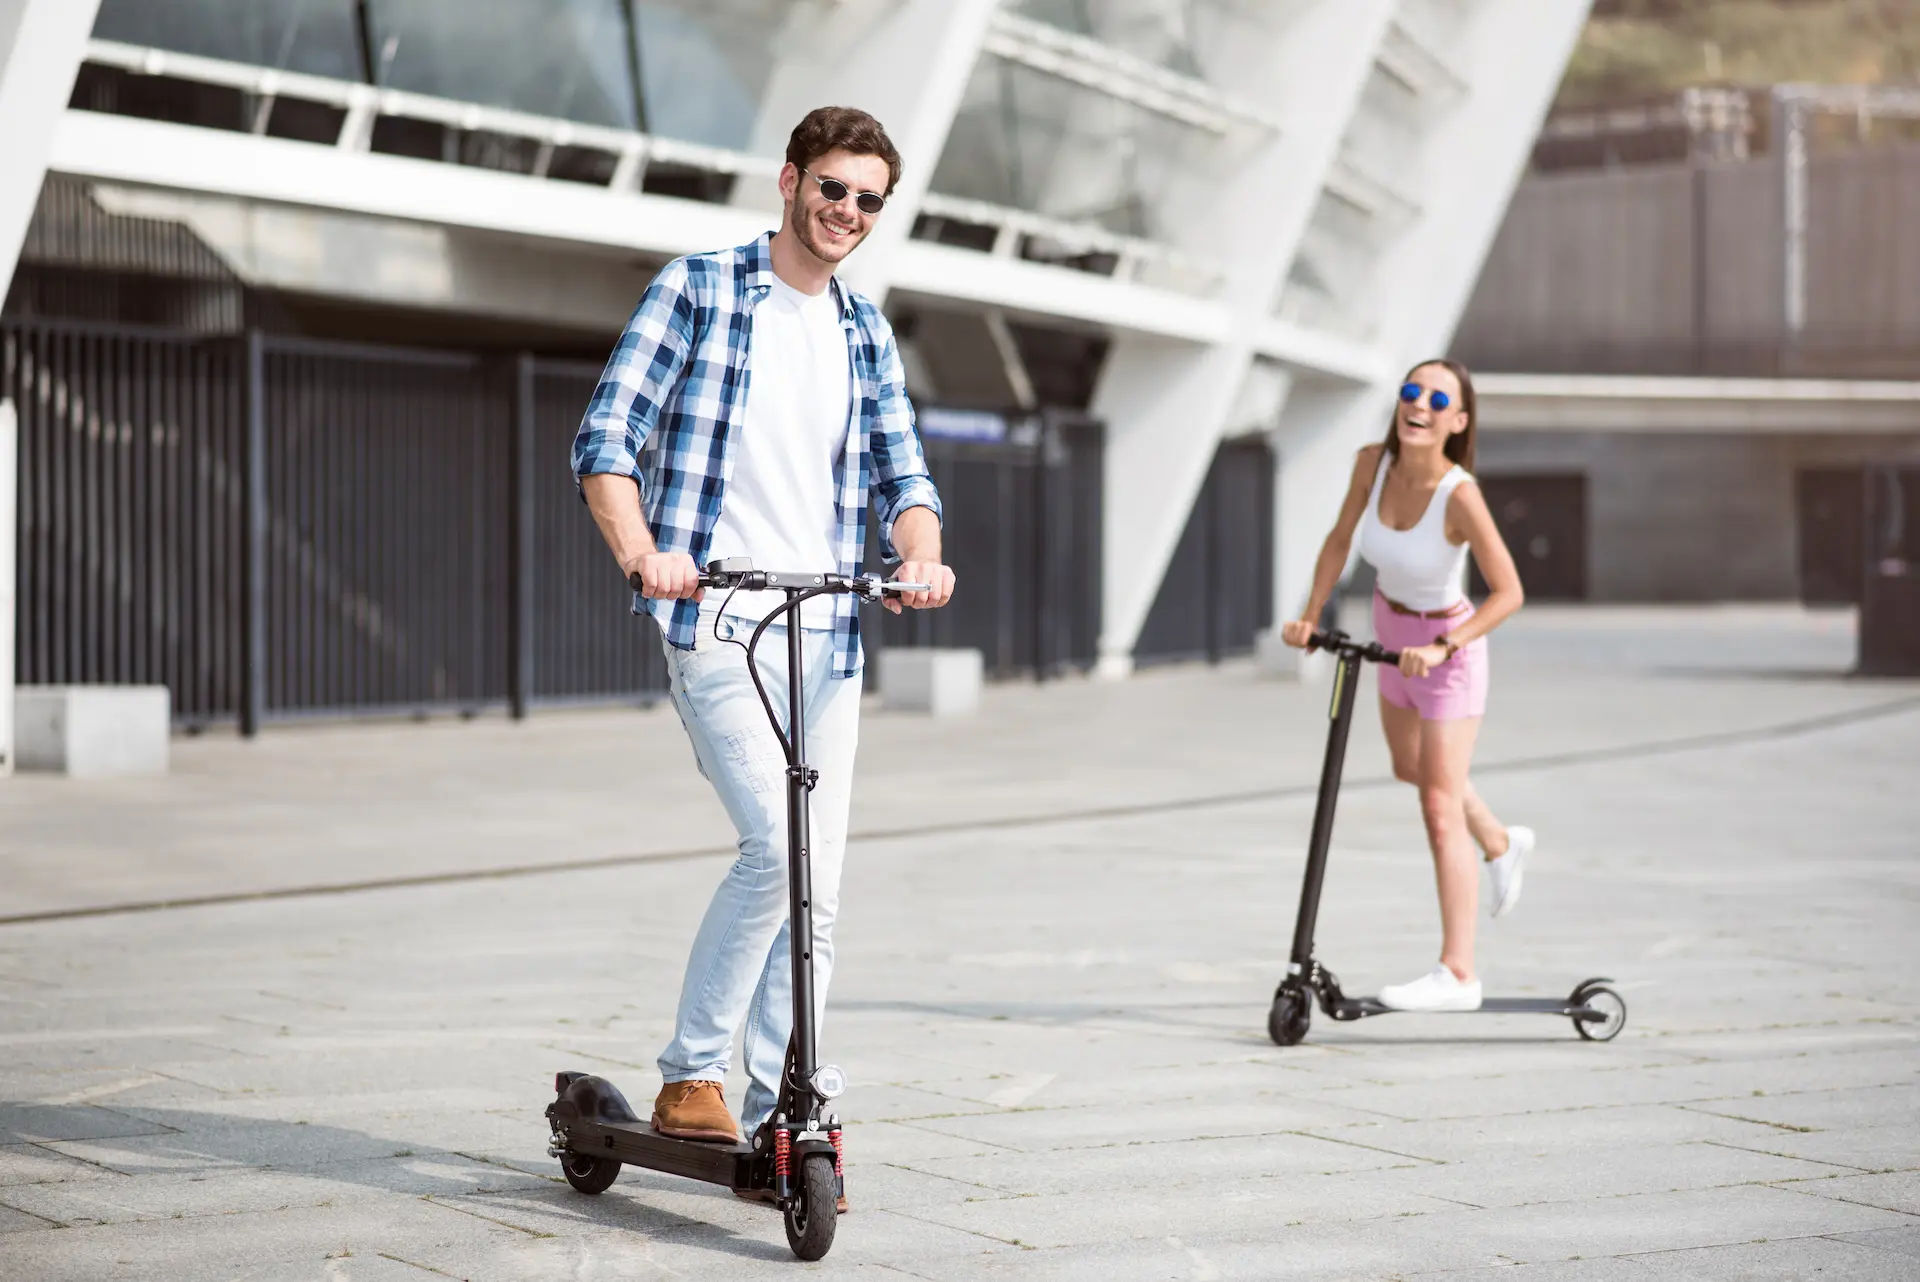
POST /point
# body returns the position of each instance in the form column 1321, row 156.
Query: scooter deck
column 638, row 1144
column 597, row 1121
column 1361, row 1007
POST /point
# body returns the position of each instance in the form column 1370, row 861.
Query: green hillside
column 1638, row 49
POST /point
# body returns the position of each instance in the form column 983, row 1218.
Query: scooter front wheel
column 589, row 1174
column 1291, row 1016
column 811, row 1216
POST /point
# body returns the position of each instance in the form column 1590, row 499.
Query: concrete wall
column 1676, row 269
column 1686, row 517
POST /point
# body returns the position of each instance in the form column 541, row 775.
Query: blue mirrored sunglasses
column 1410, row 393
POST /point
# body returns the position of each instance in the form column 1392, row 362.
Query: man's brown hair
column 846, row 128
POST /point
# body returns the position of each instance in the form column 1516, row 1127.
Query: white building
column 1267, row 209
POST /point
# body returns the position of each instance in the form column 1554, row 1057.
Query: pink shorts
column 1455, row 689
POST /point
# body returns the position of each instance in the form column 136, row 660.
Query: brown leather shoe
column 694, row 1111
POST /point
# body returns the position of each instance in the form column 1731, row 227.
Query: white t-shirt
column 779, row 505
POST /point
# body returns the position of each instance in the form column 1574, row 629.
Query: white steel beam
column 1166, row 406
column 427, row 196
column 157, row 154
column 41, row 42
column 9, row 521
column 1120, row 75
column 41, row 45
column 1511, row 54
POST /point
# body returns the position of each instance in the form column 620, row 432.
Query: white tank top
column 1416, row 568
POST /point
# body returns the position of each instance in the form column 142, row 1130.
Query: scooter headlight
column 828, row 1081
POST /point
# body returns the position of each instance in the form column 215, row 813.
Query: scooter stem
column 799, row 869
column 1346, row 681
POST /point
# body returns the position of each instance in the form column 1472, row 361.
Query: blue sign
column 962, row 425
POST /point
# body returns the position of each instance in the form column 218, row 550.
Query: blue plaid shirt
column 675, row 389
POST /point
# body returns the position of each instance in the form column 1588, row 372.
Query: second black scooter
column 795, row 1159
column 1597, row 1012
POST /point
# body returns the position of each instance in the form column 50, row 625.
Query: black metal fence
column 276, row 527
column 132, row 488
column 385, row 549
column 584, row 647
column 1217, row 594
column 1022, row 534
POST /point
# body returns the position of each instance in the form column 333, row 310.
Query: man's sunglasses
column 835, row 191
column 1410, row 394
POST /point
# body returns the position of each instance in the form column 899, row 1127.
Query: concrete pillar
column 1164, row 404
column 1511, row 54
column 1244, row 205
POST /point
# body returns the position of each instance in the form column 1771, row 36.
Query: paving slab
column 1051, row 995
column 1901, row 1241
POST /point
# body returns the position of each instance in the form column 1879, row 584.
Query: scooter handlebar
column 1342, row 644
column 738, row 573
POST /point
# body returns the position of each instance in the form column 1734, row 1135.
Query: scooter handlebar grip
column 638, row 584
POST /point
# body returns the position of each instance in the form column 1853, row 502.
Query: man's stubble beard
column 803, row 231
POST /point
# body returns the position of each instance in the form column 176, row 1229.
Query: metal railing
column 1017, row 233
column 362, row 106
column 360, row 117
column 280, row 528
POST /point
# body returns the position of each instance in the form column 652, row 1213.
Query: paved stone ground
column 1059, row 937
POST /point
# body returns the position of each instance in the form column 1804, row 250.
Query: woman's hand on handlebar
column 937, row 577
column 1298, row 633
column 665, row 576
column 1419, row 660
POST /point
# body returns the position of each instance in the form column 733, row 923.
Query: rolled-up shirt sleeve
column 900, row 480
column 638, row 378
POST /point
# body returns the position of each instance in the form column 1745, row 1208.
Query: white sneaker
column 1438, row 989
column 1507, row 870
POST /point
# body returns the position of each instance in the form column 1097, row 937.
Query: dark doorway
column 1890, row 586
column 1828, row 503
column 1543, row 518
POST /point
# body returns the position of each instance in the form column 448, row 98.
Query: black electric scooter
column 1597, row 1012
column 796, row 1156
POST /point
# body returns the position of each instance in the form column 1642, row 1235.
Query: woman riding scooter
column 1419, row 512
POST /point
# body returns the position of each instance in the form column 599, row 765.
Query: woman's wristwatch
column 1453, row 647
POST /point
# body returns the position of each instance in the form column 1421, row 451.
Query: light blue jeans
column 742, row 961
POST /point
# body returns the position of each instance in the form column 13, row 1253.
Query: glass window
column 1167, row 33
column 705, row 66
column 318, row 37
column 1031, row 141
column 566, row 58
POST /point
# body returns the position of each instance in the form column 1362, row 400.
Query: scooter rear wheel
column 811, row 1216
column 1609, row 1003
column 1291, row 1016
column 589, row 1174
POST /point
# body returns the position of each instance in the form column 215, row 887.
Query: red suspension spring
column 782, row 1151
column 838, row 1153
